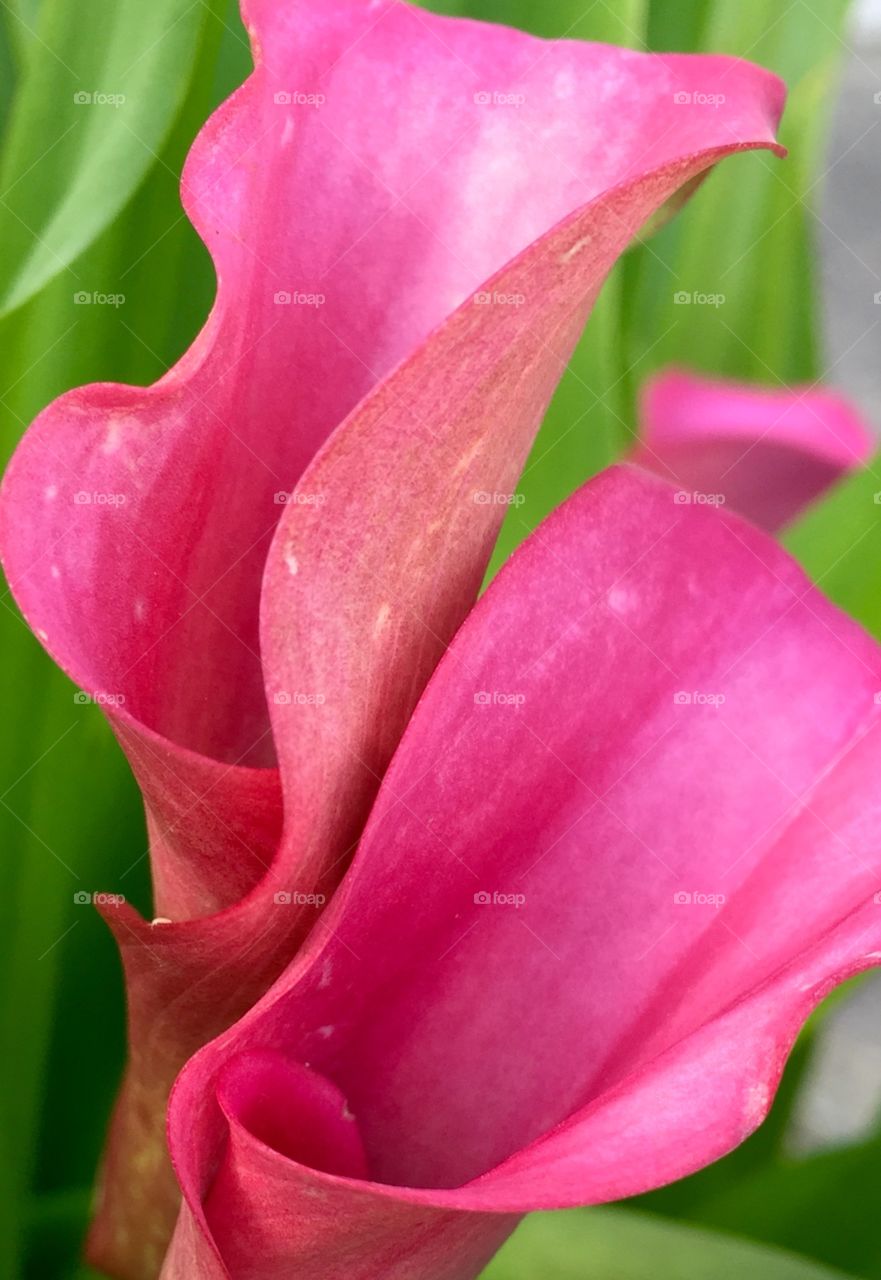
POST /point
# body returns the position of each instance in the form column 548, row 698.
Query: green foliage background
column 89, row 201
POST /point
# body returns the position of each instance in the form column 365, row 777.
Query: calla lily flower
column 256, row 564
column 629, row 839
column 768, row 452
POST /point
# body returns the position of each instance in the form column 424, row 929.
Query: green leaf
column 19, row 17
column 619, row 1244
column 623, row 23
column 677, row 27
column 838, row 541
column 55, row 1228
column 69, row 822
column 823, row 1205
column 71, row 815
column 748, row 236
column 8, row 54
column 91, row 113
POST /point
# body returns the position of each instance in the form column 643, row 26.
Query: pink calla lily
column 258, row 561
column 629, row 839
column 768, row 452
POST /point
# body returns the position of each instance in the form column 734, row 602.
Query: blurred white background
column 848, row 223
column 867, row 17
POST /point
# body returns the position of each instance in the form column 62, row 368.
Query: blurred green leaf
column 70, row 815
column 748, row 236
column 623, row 23
column 55, row 1230
column 90, row 114
column 677, row 27
column 838, row 541
column 19, row 18
column 619, row 1244
column 825, row 1205
column 8, row 53
column 69, row 822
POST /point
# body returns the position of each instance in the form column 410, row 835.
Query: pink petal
column 585, row 1036
column 155, row 596
column 357, row 611
column 767, row 452
column 395, row 210
column 197, row 488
